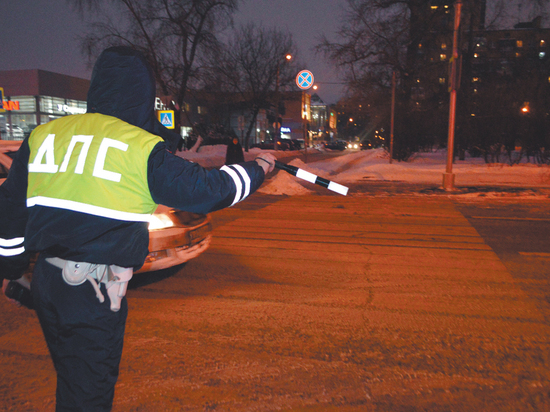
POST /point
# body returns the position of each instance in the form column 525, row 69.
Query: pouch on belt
column 114, row 277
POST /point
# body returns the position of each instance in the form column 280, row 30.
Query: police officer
column 80, row 192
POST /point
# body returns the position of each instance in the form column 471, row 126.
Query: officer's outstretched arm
column 184, row 185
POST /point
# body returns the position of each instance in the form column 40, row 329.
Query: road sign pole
column 304, row 80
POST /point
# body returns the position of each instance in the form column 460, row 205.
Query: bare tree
column 173, row 34
column 252, row 65
column 378, row 37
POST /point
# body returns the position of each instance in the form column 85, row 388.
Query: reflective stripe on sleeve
column 237, row 181
column 88, row 209
column 246, row 180
column 11, row 252
column 11, row 242
column 7, row 246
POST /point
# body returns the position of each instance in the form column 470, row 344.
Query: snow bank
column 371, row 165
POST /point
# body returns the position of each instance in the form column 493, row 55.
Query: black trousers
column 84, row 338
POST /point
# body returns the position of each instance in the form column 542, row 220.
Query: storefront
column 34, row 97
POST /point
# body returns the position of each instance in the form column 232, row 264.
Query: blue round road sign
column 304, row 80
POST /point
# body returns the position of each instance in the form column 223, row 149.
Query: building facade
column 323, row 120
column 34, row 97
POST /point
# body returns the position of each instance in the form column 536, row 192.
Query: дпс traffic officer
column 80, row 193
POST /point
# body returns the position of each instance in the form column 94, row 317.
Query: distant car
column 175, row 236
column 337, row 145
column 295, row 144
column 14, row 132
column 282, row 144
column 353, row 145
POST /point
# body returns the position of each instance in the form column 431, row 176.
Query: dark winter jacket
column 82, row 187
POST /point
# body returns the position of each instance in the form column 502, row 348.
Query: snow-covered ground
column 373, row 165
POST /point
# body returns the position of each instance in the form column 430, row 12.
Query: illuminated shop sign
column 13, row 105
column 285, row 129
column 70, row 109
column 7, row 104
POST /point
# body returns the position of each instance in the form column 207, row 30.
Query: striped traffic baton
column 310, row 177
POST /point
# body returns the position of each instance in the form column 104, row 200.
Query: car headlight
column 349, row 146
column 160, row 221
column 355, row 146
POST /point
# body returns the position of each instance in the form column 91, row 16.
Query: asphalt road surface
column 403, row 301
column 519, row 232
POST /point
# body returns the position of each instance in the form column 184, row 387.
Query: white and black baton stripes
column 310, row 177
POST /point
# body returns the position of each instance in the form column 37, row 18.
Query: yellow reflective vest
column 93, row 164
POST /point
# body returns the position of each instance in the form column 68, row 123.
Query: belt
column 114, row 277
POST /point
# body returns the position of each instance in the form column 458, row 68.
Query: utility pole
column 277, row 103
column 448, row 176
column 393, row 86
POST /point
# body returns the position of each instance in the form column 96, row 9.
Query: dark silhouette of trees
column 251, row 65
column 380, row 37
column 173, row 34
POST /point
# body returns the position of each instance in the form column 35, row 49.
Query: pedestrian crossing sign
column 166, row 118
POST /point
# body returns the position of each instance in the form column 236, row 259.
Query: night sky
column 46, row 36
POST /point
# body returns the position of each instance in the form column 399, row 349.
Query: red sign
column 11, row 105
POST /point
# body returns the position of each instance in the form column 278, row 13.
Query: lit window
column 442, row 80
column 443, row 46
column 419, row 45
column 475, row 79
column 542, row 55
column 442, row 57
column 519, row 43
column 518, row 54
column 542, row 43
column 434, row 7
column 476, row 55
